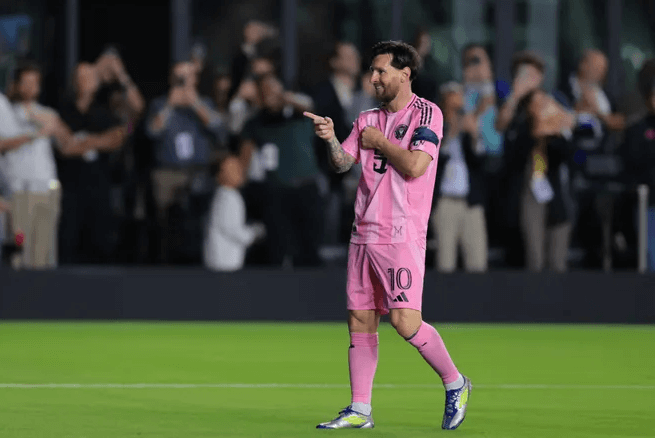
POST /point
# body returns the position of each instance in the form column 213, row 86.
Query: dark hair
column 646, row 78
column 261, row 79
column 219, row 159
column 25, row 66
column 526, row 57
column 523, row 117
column 468, row 47
column 403, row 55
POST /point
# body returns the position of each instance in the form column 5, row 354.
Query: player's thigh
column 362, row 284
column 400, row 269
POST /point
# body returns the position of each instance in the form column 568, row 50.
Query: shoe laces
column 451, row 397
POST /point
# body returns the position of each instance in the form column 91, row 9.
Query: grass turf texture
column 579, row 365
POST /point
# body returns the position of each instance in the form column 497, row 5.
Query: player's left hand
column 371, row 138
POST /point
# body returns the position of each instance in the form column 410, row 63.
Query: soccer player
column 397, row 145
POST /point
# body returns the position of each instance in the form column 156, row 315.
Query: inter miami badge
column 400, row 131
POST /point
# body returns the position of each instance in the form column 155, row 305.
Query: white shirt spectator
column 456, row 181
column 32, row 166
column 227, row 236
column 8, row 126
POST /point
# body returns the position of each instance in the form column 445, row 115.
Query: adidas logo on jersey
column 400, row 298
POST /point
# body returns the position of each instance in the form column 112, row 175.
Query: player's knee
column 363, row 321
column 405, row 321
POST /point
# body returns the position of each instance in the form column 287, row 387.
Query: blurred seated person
column 638, row 152
column 184, row 127
column 458, row 218
column 87, row 231
column 277, row 151
column 537, row 146
column 228, row 236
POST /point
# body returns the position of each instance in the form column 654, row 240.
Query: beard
column 386, row 94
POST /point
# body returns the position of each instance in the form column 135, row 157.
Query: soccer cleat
column 456, row 403
column 349, row 419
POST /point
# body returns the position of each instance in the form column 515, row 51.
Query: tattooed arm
column 340, row 160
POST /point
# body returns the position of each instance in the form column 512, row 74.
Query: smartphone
column 179, row 81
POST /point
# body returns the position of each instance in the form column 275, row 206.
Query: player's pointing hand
column 323, row 125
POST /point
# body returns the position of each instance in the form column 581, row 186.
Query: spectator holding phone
column 527, row 70
column 115, row 80
column 87, row 231
column 458, row 219
column 538, row 145
column 185, row 128
column 479, row 94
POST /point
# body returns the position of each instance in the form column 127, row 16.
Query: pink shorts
column 385, row 276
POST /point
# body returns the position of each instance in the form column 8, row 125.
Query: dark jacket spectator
column 537, row 193
column 283, row 172
column 337, row 97
column 87, row 230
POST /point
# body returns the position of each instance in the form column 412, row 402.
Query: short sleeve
column 351, row 145
column 427, row 136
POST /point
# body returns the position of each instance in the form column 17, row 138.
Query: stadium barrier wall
column 318, row 295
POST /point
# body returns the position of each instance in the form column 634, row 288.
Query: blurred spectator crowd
column 223, row 170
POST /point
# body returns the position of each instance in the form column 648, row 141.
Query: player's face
column 386, row 79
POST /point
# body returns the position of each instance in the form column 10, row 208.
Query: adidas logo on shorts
column 400, row 298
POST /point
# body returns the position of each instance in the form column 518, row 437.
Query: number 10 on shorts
column 402, row 277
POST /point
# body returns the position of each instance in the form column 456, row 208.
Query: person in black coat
column 336, row 98
column 537, row 150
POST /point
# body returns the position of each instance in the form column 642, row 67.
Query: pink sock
column 363, row 356
column 431, row 347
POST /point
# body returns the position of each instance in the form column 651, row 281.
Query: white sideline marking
column 315, row 386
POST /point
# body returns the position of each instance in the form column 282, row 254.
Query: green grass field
column 281, row 379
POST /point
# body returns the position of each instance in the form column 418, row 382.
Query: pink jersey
column 392, row 207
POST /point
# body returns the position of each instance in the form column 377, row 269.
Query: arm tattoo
column 340, row 160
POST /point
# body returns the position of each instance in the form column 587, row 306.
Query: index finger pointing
column 314, row 117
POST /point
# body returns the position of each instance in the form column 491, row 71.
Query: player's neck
column 401, row 100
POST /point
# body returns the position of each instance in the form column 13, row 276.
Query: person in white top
column 30, row 169
column 227, row 235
